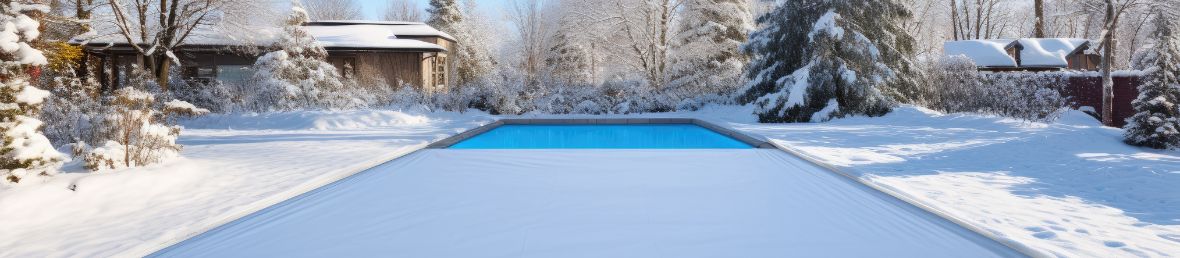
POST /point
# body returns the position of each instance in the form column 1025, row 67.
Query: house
column 1027, row 54
column 395, row 52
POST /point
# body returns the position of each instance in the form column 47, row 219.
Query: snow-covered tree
column 1156, row 122
column 159, row 28
column 472, row 55
column 566, row 62
column 706, row 58
column 25, row 151
column 296, row 75
column 818, row 59
column 334, row 9
column 403, row 10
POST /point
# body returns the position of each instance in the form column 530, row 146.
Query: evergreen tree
column 566, row 62
column 1156, row 122
column 706, row 56
column 818, row 59
column 472, row 56
column 297, row 74
column 25, row 151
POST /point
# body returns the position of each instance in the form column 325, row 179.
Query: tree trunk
column 1108, row 48
column 1039, row 27
column 163, row 65
column 955, row 19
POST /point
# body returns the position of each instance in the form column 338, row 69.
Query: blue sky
column 374, row 8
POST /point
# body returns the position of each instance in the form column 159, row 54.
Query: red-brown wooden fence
column 1086, row 90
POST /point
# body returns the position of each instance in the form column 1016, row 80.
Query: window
column 233, row 73
column 438, row 75
column 200, row 74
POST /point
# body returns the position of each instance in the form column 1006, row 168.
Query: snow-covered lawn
column 231, row 166
column 1068, row 188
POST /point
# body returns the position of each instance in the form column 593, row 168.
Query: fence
column 1086, row 90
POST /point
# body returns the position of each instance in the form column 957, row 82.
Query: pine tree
column 25, row 151
column 706, row 56
column 566, row 62
column 472, row 58
column 818, row 59
column 297, row 73
column 1156, row 122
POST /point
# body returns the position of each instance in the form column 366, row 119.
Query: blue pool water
column 630, row 136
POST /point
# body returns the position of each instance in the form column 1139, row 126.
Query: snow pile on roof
column 985, row 53
column 340, row 34
column 399, row 28
column 1048, row 51
column 364, row 36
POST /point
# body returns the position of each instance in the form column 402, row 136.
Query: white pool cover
column 592, row 203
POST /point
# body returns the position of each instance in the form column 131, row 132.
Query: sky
column 374, row 8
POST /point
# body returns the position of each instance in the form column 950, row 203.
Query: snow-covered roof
column 364, row 36
column 985, row 53
column 399, row 28
column 1047, row 52
column 1035, row 52
column 330, row 34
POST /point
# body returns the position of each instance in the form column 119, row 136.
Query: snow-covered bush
column 811, row 54
column 1027, row 96
column 24, row 151
column 217, row 96
column 370, row 87
column 952, row 84
column 135, row 132
column 408, row 95
column 74, row 110
column 1156, row 122
column 955, row 84
column 296, row 75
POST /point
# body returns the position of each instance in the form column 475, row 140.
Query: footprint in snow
column 1172, row 237
column 1114, row 244
column 1045, row 235
column 1041, row 233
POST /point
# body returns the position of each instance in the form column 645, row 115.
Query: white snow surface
column 402, row 28
column 1047, row 52
column 360, row 35
column 985, row 53
column 225, row 171
column 592, row 203
column 1067, row 189
column 365, row 36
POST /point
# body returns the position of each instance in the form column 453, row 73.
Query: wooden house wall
column 393, row 67
column 1084, row 62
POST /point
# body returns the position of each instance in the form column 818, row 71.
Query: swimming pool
column 601, row 136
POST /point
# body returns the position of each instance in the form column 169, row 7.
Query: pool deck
column 448, row 142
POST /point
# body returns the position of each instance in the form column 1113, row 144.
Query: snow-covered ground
column 1068, row 188
column 232, row 166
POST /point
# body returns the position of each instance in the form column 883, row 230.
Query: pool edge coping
column 736, row 135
